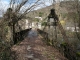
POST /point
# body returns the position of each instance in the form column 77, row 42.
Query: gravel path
column 32, row 48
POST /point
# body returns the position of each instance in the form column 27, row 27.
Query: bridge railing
column 66, row 49
column 19, row 36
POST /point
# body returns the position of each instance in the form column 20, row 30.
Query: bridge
column 35, row 44
column 32, row 47
column 45, row 44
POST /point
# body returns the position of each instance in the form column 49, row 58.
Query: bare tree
column 17, row 11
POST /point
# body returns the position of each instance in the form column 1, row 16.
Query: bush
column 44, row 24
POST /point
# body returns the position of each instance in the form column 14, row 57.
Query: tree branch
column 20, row 5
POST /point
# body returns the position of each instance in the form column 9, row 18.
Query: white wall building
column 39, row 23
column 72, row 29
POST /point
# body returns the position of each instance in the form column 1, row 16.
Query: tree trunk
column 14, row 33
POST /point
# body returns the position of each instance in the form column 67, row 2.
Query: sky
column 4, row 4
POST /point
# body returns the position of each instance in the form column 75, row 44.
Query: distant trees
column 41, row 14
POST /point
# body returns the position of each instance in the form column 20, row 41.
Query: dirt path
column 32, row 48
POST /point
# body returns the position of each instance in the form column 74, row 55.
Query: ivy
column 44, row 24
column 64, row 44
column 78, row 54
column 40, row 14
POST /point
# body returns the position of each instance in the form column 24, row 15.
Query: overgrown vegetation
column 67, row 37
column 40, row 14
column 7, row 25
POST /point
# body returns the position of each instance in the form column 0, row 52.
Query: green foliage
column 64, row 44
column 5, row 54
column 36, row 19
column 50, row 43
column 5, row 43
column 40, row 14
column 44, row 23
column 78, row 54
column 64, row 15
column 6, row 29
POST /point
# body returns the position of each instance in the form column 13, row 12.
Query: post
column 14, row 33
column 55, row 32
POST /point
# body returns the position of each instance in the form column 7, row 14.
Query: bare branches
column 29, row 9
column 20, row 5
column 28, row 5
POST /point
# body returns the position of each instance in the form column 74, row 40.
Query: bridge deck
column 32, row 48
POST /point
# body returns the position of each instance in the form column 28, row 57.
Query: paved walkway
column 32, row 48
